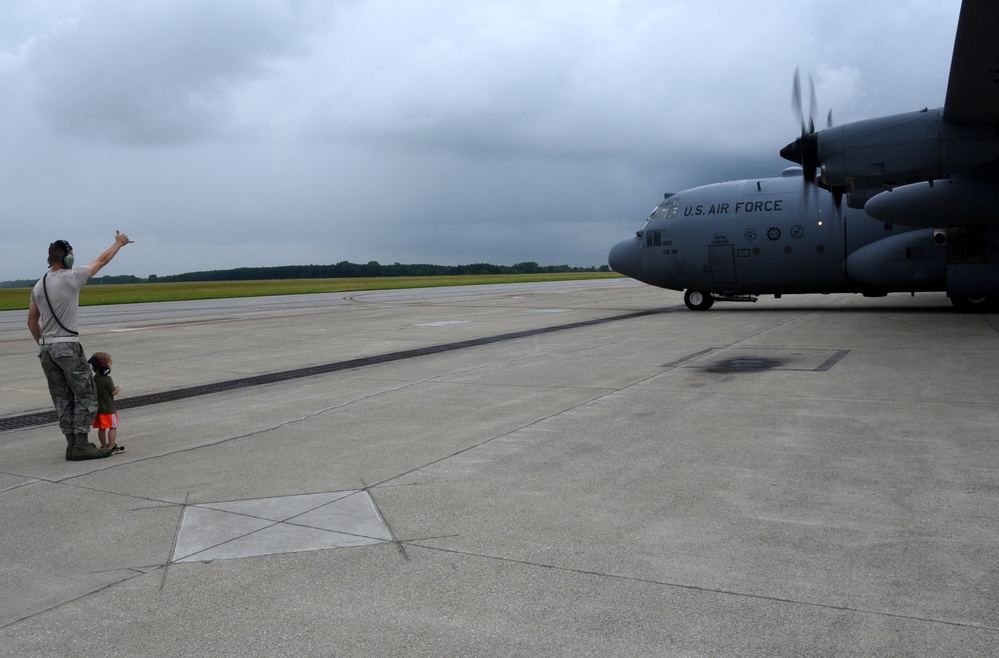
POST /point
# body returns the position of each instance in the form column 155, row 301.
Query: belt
column 47, row 340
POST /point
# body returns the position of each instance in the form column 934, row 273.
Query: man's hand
column 120, row 240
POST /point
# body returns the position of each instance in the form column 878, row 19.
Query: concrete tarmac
column 565, row 469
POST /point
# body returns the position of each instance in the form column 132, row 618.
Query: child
column 107, row 416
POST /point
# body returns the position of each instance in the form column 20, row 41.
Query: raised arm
column 120, row 240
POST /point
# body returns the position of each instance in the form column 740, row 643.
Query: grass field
column 12, row 299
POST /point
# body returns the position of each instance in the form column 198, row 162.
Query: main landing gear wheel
column 976, row 304
column 697, row 300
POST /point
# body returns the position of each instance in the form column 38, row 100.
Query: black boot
column 83, row 449
column 70, row 440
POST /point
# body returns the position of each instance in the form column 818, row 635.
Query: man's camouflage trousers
column 71, row 385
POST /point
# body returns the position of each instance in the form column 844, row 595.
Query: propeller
column 805, row 149
column 797, row 105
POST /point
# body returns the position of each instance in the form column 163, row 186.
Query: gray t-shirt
column 64, row 293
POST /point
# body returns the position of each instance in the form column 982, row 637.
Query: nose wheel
column 697, row 300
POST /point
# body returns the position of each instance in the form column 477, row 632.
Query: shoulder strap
column 49, row 301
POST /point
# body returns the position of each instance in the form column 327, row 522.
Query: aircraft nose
column 625, row 259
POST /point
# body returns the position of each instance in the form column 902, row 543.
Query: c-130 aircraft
column 921, row 210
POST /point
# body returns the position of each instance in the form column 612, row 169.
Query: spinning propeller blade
column 805, row 149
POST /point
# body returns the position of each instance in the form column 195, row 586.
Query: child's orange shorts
column 106, row 421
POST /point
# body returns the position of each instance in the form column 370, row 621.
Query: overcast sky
column 229, row 133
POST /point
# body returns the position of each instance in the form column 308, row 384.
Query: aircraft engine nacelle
column 904, row 262
column 895, row 150
column 941, row 203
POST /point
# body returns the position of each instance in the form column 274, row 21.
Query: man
column 52, row 321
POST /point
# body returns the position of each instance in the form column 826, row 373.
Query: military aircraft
column 921, row 210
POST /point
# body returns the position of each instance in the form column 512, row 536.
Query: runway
column 567, row 469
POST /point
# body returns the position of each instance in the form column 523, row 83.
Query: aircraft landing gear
column 976, row 304
column 697, row 300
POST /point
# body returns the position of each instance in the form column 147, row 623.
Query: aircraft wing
column 973, row 87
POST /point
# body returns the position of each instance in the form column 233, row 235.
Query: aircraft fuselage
column 776, row 236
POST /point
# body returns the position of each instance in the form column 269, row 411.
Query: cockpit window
column 665, row 210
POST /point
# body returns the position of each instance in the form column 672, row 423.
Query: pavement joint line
column 39, row 419
column 378, row 510
column 68, row 480
column 706, row 590
column 173, row 542
column 387, row 481
column 80, row 597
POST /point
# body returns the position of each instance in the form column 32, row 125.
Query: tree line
column 342, row 270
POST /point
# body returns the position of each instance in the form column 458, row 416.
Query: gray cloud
column 157, row 72
column 225, row 133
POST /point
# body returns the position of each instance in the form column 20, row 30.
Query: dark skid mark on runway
column 762, row 364
column 47, row 417
column 744, row 364
column 833, row 360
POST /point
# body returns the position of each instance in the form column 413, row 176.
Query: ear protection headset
column 67, row 258
column 101, row 367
